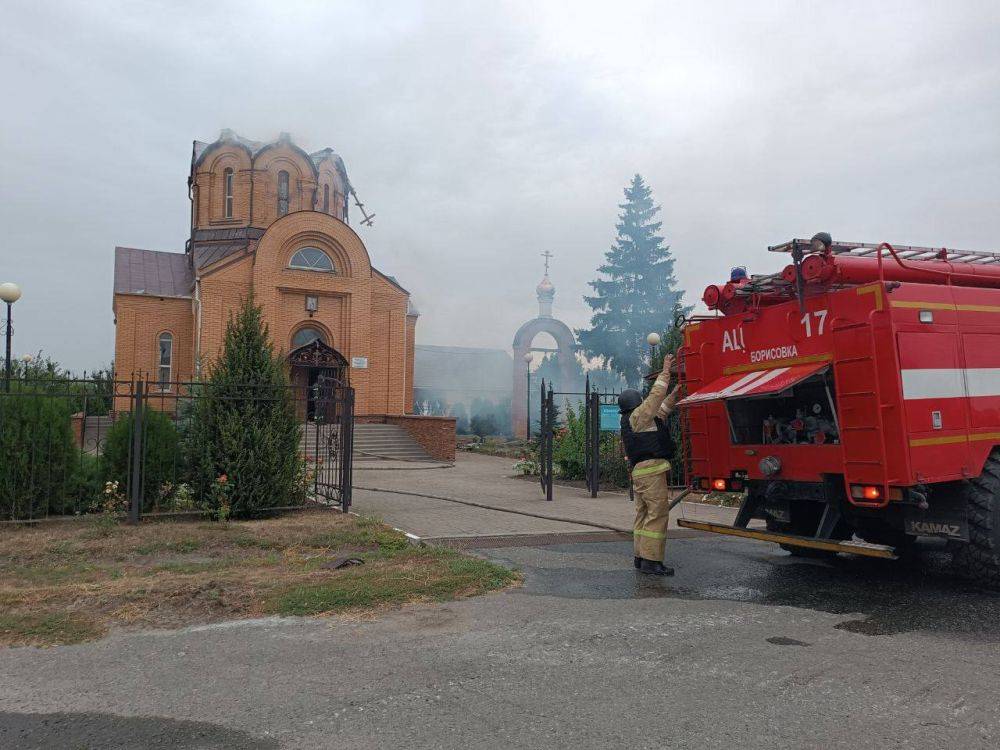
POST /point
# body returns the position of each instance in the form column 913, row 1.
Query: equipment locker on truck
column 855, row 397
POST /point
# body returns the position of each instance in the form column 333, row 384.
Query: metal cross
column 547, row 255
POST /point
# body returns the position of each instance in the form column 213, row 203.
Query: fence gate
column 546, row 439
column 330, row 440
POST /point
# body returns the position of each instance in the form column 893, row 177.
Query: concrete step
column 386, row 441
column 371, row 441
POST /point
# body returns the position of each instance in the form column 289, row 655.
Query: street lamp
column 527, row 370
column 9, row 293
column 653, row 339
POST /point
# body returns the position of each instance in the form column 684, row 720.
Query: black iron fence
column 73, row 447
column 596, row 455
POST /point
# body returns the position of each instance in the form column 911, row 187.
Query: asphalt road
column 745, row 647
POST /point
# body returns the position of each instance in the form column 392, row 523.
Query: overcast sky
column 483, row 133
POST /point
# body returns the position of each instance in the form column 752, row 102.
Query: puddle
column 884, row 597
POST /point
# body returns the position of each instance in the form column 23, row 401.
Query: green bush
column 569, row 444
column 161, row 467
column 242, row 437
column 38, row 458
column 614, row 468
column 569, row 451
column 86, row 485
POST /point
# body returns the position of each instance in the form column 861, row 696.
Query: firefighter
column 649, row 448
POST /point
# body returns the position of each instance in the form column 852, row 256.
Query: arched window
column 307, row 335
column 166, row 359
column 326, row 199
column 311, row 259
column 282, row 193
column 227, row 182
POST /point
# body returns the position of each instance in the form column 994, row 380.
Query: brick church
column 271, row 218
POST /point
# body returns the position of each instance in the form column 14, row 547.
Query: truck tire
column 980, row 558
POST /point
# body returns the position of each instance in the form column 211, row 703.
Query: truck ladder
column 830, row 545
column 860, row 402
column 905, row 252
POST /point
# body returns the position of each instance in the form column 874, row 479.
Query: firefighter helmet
column 822, row 238
column 629, row 400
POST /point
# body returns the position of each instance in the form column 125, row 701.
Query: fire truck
column 854, row 398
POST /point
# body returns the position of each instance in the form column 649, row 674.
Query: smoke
column 481, row 134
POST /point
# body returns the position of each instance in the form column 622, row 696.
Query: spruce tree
column 243, row 436
column 637, row 295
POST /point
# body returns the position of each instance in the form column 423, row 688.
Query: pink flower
column 223, row 479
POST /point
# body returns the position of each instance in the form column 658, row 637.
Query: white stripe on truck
column 973, row 382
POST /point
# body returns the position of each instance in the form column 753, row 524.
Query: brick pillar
column 76, row 422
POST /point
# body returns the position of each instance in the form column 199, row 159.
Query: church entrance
column 316, row 370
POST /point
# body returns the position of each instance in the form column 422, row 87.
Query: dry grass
column 71, row 582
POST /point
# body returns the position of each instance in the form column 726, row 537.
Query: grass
column 430, row 575
column 47, row 629
column 71, row 582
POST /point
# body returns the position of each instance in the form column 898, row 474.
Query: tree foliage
column 38, row 459
column 160, row 459
column 242, row 442
column 637, row 293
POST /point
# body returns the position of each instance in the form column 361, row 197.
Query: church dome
column 546, row 288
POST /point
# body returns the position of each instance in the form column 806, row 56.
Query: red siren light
column 712, row 296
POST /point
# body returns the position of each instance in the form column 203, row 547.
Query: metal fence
column 77, row 446
column 601, row 445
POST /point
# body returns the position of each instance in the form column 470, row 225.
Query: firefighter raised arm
column 649, row 448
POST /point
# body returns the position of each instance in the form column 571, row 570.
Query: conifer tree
column 638, row 293
column 243, row 437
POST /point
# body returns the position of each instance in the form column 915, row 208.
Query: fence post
column 549, row 439
column 594, row 442
column 347, row 462
column 135, row 471
column 586, row 439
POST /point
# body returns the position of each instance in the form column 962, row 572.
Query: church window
column 227, row 181
column 311, row 259
column 305, row 336
column 282, row 193
column 326, row 199
column 166, row 359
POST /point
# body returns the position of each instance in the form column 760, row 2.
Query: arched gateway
column 526, row 334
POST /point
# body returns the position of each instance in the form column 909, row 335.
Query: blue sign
column 611, row 420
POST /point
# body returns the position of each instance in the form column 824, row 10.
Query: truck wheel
column 980, row 558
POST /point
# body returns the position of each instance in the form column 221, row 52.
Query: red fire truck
column 855, row 398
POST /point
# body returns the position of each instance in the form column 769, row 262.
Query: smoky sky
column 481, row 134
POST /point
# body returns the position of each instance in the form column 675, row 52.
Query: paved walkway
column 478, row 496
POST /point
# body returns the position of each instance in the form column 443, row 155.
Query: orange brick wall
column 411, row 342
column 260, row 177
column 139, row 321
column 222, row 292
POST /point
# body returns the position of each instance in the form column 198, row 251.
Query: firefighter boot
column 637, row 561
column 655, row 568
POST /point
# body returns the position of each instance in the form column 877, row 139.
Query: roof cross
column 547, row 255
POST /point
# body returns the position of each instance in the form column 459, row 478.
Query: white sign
column 359, row 363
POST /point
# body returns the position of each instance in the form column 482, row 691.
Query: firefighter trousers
column 652, row 509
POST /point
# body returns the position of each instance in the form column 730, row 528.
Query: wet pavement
column 882, row 597
column 745, row 647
